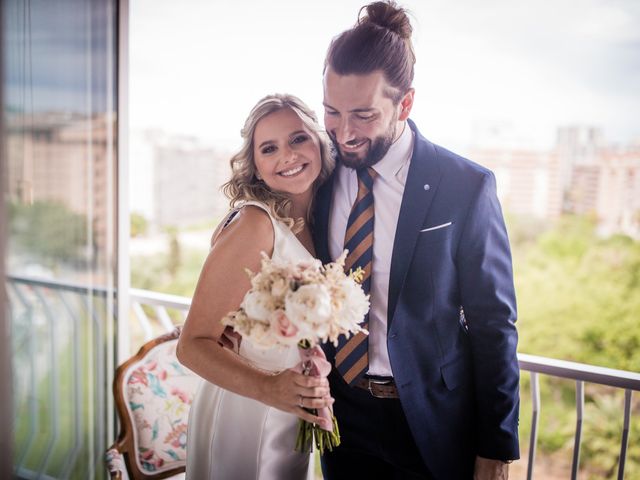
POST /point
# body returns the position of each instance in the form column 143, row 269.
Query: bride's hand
column 294, row 393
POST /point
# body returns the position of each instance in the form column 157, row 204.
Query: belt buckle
column 372, row 381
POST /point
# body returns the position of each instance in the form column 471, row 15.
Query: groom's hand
column 488, row 469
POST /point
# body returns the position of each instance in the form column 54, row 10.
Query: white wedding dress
column 232, row 437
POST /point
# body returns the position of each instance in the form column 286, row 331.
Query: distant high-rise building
column 578, row 148
column 581, row 195
column 54, row 162
column 186, row 182
column 580, row 175
column 528, row 181
column 618, row 204
column 580, row 144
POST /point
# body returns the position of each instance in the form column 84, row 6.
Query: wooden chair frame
column 125, row 444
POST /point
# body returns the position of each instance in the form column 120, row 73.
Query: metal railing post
column 533, row 438
column 625, row 433
column 575, row 464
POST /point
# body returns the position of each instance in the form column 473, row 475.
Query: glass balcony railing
column 62, row 378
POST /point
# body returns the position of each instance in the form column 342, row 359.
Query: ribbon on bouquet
column 314, row 363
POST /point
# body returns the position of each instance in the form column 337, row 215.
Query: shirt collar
column 397, row 155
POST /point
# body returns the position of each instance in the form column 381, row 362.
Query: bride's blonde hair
column 244, row 184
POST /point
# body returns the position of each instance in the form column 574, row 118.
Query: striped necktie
column 352, row 356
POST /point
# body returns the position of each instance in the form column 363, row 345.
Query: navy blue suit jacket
column 457, row 376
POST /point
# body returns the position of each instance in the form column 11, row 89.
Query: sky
column 198, row 66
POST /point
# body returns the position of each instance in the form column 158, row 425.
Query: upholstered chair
column 153, row 393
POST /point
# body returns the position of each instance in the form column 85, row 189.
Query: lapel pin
column 427, row 186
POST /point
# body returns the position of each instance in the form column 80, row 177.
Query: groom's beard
column 378, row 148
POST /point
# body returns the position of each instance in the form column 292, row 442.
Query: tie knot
column 366, row 176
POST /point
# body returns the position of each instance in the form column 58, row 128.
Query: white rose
column 353, row 307
column 258, row 305
column 309, row 309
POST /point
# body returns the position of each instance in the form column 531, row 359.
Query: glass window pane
column 59, row 89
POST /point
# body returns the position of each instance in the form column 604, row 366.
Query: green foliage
column 578, row 296
column 579, row 300
column 173, row 260
column 139, row 224
column 524, row 230
column 152, row 272
column 48, row 231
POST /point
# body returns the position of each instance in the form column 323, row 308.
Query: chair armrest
column 115, row 464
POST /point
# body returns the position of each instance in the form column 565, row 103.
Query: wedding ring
column 300, row 401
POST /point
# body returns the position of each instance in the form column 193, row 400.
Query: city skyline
column 581, row 174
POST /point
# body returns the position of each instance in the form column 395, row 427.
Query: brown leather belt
column 378, row 388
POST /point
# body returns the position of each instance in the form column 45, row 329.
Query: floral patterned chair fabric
column 153, row 392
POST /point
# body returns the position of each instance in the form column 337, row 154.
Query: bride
column 244, row 417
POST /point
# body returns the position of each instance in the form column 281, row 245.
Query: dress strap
column 255, row 203
column 224, row 224
column 234, row 211
column 230, row 216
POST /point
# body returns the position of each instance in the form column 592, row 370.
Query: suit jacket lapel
column 416, row 200
column 321, row 219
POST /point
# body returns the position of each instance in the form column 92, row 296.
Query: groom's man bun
column 380, row 41
column 387, row 15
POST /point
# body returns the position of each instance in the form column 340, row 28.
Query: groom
column 432, row 392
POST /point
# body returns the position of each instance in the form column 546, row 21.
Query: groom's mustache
column 355, row 141
column 348, row 144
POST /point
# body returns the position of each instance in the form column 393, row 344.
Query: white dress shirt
column 388, row 188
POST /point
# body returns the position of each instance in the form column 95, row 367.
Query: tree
column 48, row 231
column 139, row 224
column 174, row 257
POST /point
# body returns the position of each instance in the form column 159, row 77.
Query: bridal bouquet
column 304, row 304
